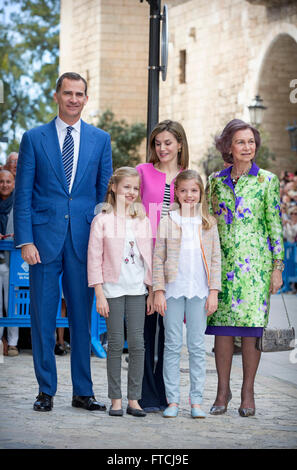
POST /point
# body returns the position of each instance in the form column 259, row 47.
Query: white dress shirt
column 191, row 279
column 61, row 127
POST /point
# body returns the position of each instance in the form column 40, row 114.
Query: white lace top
column 191, row 279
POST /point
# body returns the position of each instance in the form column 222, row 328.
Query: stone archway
column 278, row 69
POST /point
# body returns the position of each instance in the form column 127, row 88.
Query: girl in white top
column 188, row 295
column 119, row 268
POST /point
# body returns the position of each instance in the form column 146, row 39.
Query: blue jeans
column 195, row 314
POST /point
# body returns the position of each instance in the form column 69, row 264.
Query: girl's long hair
column 207, row 220
column 136, row 208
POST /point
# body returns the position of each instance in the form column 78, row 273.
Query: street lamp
column 154, row 67
column 256, row 110
column 293, row 136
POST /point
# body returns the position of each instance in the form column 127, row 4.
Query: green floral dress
column 250, row 230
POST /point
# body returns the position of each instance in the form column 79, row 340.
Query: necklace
column 235, row 178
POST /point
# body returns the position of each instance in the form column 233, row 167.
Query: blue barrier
column 18, row 313
column 290, row 261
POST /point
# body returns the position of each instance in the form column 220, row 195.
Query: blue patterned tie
column 67, row 154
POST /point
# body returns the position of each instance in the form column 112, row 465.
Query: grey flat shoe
column 135, row 412
column 221, row 409
column 119, row 412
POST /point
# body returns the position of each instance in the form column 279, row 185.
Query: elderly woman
column 245, row 201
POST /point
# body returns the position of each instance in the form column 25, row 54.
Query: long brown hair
column 177, row 130
column 207, row 219
column 136, row 209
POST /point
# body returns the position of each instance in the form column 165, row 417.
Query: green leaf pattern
column 250, row 230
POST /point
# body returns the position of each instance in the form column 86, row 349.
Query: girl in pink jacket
column 120, row 270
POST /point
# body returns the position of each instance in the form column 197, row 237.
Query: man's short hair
column 10, row 155
column 70, row 76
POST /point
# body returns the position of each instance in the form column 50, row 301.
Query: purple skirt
column 234, row 331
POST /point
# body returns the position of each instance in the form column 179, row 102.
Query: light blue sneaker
column 197, row 413
column 170, row 412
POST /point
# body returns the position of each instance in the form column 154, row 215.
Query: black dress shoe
column 44, row 402
column 59, row 350
column 88, row 403
column 135, row 412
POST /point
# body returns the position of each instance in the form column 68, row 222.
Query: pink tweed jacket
column 167, row 250
column 106, row 246
column 152, row 189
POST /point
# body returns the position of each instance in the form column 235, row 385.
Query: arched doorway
column 279, row 68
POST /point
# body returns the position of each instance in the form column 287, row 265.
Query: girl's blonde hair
column 177, row 130
column 136, row 208
column 207, row 219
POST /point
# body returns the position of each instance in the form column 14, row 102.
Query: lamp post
column 293, row 136
column 256, row 110
column 154, row 67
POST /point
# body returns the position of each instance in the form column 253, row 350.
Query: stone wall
column 234, row 49
column 107, row 42
column 124, row 58
column 80, row 50
column 226, row 43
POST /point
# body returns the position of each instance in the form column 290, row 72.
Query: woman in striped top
column 166, row 200
column 168, row 155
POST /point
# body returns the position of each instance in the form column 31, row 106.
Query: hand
column 8, row 235
column 30, row 254
column 102, row 306
column 276, row 281
column 160, row 302
column 211, row 303
column 150, row 303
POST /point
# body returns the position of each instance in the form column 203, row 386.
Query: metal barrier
column 18, row 313
column 290, row 261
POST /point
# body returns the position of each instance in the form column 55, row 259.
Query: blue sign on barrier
column 18, row 313
column 290, row 271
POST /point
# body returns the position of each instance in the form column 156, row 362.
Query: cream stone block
column 233, row 50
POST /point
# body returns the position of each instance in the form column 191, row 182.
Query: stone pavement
column 273, row 427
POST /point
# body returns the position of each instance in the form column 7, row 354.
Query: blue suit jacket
column 43, row 206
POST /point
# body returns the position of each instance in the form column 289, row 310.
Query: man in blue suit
column 63, row 172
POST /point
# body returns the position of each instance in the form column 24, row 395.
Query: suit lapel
column 52, row 150
column 86, row 146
